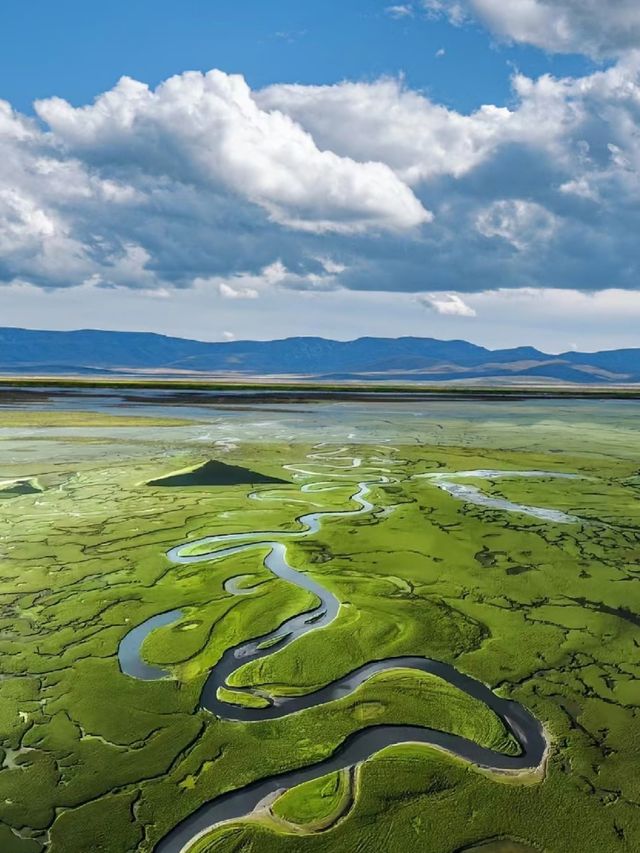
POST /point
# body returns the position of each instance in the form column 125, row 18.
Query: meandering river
column 525, row 728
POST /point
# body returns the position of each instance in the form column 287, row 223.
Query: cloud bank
column 593, row 27
column 358, row 186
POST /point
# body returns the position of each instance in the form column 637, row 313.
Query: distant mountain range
column 87, row 352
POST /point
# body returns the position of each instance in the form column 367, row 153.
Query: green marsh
column 546, row 614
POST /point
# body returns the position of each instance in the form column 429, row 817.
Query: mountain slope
column 24, row 351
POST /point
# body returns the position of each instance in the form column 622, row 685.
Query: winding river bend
column 525, row 728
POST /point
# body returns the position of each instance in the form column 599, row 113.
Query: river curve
column 525, row 728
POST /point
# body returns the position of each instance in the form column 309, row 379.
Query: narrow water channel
column 525, row 728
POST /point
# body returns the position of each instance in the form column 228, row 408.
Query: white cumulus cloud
column 209, row 128
column 402, row 10
column 316, row 188
column 384, row 121
column 448, row 304
column 228, row 291
column 252, row 286
column 594, row 27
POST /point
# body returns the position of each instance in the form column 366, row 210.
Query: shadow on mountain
column 214, row 473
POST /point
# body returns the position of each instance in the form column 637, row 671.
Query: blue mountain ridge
column 92, row 352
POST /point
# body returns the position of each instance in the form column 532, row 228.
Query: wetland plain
column 334, row 625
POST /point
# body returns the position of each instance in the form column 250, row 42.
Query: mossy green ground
column 316, row 805
column 547, row 614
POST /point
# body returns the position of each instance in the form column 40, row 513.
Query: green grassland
column 546, row 614
column 33, row 419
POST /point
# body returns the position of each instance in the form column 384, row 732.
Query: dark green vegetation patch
column 216, row 473
column 15, row 488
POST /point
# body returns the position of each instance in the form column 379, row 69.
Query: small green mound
column 316, row 804
column 15, row 488
column 245, row 700
column 215, row 473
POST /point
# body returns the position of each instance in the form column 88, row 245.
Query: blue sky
column 452, row 168
column 76, row 49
